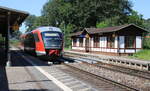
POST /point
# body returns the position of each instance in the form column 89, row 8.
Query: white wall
column 72, row 42
column 103, row 41
column 116, row 42
column 83, row 42
column 91, row 42
column 138, row 42
column 121, row 42
column 78, row 48
column 77, row 42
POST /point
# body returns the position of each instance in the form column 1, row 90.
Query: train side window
column 36, row 37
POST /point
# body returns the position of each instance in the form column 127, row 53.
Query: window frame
column 96, row 40
column 128, row 43
column 110, row 42
column 80, row 42
column 74, row 42
column 36, row 37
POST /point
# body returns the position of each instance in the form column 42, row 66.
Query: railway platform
column 23, row 76
column 28, row 79
column 28, row 73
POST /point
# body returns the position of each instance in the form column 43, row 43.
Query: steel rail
column 103, row 78
column 125, row 70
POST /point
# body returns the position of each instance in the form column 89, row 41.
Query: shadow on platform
column 30, row 82
column 18, row 60
column 33, row 90
column 3, row 79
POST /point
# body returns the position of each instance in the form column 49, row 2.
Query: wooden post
column 7, row 40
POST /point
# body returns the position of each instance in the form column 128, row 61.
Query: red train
column 44, row 42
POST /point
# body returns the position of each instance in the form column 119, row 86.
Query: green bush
column 146, row 43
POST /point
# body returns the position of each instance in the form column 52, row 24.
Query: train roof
column 48, row 28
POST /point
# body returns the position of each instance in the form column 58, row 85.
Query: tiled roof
column 104, row 30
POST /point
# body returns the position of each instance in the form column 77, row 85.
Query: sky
column 35, row 6
column 143, row 7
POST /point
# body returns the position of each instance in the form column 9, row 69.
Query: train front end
column 53, row 43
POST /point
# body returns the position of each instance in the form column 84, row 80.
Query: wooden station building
column 118, row 40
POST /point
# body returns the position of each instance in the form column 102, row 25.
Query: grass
column 143, row 54
column 67, row 48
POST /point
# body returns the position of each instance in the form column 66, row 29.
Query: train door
column 87, row 44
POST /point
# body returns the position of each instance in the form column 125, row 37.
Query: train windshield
column 52, row 40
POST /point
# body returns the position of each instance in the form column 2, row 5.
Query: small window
column 80, row 42
column 96, row 41
column 110, row 42
column 130, row 41
column 36, row 37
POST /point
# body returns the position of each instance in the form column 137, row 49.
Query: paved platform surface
column 28, row 73
column 28, row 79
column 22, row 76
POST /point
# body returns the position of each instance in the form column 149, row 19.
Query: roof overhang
column 107, row 30
column 15, row 17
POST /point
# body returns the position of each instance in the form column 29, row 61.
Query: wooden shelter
column 118, row 40
column 10, row 19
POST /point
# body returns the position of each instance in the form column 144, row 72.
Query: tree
column 84, row 13
column 147, row 40
column 147, row 24
column 136, row 18
column 78, row 14
column 29, row 22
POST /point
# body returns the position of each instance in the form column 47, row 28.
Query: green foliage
column 113, row 21
column 67, row 31
column 146, row 43
column 102, row 24
column 14, row 42
column 29, row 22
column 141, row 54
column 16, row 34
column 1, row 38
column 83, row 13
column 79, row 13
column 72, row 15
column 147, row 24
column 136, row 18
column 33, row 22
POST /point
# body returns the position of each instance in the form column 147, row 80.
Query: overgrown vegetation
column 143, row 54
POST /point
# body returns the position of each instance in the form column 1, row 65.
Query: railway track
column 137, row 79
column 104, row 81
column 125, row 70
